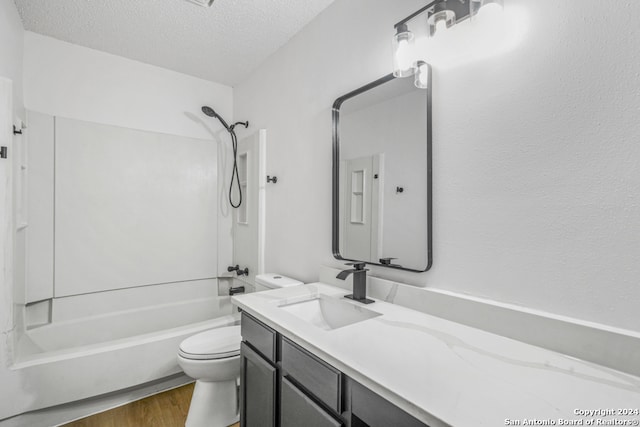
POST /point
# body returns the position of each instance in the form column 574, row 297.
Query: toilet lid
column 216, row 343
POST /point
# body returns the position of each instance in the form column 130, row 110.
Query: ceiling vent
column 205, row 3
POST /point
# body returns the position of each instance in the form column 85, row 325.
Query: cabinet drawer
column 296, row 409
column 260, row 336
column 319, row 378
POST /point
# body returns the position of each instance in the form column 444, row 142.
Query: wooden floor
column 168, row 409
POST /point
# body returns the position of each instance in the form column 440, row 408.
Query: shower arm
column 245, row 124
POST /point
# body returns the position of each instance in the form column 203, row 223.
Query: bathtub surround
column 86, row 85
column 122, row 239
column 94, row 210
column 535, row 196
column 107, row 352
column 248, row 221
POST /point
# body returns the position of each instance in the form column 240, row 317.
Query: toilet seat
column 219, row 343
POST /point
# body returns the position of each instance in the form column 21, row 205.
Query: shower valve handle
column 239, row 271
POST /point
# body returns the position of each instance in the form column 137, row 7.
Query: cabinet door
column 257, row 390
column 296, row 409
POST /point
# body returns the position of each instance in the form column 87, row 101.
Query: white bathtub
column 78, row 358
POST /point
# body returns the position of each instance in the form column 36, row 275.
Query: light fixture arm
column 460, row 7
column 416, row 13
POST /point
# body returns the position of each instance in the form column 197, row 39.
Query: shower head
column 211, row 113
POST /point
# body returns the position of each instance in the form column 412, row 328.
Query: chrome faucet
column 359, row 282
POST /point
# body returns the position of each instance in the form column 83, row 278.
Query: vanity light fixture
column 440, row 15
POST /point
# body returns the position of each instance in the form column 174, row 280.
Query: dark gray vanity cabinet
column 284, row 385
column 258, row 375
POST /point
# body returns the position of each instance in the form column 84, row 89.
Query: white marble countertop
column 445, row 373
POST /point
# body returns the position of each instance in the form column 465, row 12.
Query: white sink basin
column 328, row 313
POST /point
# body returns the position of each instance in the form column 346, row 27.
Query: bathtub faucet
column 236, row 290
column 238, row 270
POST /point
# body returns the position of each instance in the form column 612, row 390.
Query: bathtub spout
column 236, row 290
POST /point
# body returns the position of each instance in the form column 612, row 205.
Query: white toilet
column 212, row 358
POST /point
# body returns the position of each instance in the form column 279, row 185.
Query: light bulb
column 441, row 25
column 404, row 55
column 403, row 52
column 421, row 80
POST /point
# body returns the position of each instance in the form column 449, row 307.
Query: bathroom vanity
column 311, row 357
column 282, row 384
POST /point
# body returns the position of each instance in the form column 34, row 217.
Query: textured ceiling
column 223, row 43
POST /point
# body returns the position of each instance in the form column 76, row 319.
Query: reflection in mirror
column 382, row 175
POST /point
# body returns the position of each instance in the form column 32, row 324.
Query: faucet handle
column 358, row 266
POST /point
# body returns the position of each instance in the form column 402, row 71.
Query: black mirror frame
column 335, row 115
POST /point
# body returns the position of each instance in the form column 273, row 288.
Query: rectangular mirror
column 382, row 206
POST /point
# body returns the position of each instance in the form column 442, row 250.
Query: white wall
column 71, row 81
column 536, row 182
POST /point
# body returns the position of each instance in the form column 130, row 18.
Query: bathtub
column 82, row 357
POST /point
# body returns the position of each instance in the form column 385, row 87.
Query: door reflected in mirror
column 382, row 175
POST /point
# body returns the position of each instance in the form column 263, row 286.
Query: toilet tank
column 267, row 281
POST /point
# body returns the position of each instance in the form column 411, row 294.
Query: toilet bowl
column 212, row 358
